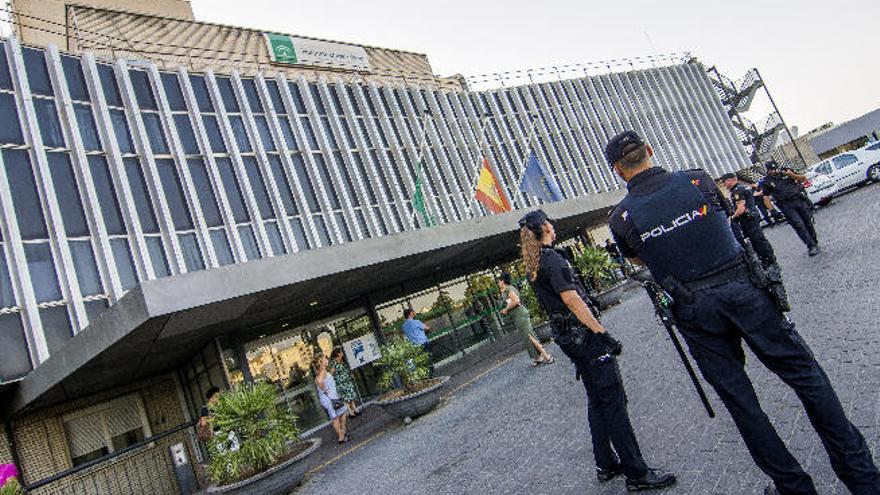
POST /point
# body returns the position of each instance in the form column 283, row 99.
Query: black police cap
column 626, row 140
column 772, row 165
column 728, row 175
column 533, row 220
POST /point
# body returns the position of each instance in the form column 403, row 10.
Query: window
column 107, row 427
column 843, row 161
column 823, row 168
column 874, row 147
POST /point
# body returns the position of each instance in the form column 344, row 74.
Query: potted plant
column 9, row 484
column 255, row 446
column 411, row 392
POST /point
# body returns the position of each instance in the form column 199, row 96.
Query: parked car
column 820, row 188
column 847, row 169
column 870, row 154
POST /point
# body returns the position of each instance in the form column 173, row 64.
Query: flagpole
column 484, row 122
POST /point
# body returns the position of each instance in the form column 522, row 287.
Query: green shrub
column 249, row 417
column 403, row 360
column 595, row 264
column 11, row 487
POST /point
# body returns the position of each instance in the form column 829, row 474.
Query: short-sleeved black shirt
column 622, row 228
column 555, row 276
column 781, row 187
column 743, row 193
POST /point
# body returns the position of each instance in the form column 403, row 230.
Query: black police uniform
column 674, row 224
column 750, row 224
column 614, row 442
column 789, row 196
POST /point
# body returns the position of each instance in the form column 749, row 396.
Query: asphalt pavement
column 519, row 430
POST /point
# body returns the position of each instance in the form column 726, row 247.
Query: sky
column 815, row 57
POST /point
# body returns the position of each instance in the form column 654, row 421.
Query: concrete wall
column 788, row 152
column 43, row 449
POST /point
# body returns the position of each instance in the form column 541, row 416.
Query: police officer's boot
column 607, row 474
column 814, row 250
column 771, row 490
column 652, row 480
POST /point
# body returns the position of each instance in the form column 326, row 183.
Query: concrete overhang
column 160, row 324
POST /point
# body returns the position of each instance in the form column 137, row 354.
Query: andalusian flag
column 418, row 200
column 489, row 190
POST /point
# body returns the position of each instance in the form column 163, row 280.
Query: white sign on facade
column 291, row 50
column 361, row 351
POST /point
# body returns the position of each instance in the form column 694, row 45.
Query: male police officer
column 746, row 215
column 671, row 222
column 786, row 188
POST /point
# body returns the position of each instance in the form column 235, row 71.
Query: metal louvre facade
column 117, row 173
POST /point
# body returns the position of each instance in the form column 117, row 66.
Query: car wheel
column 874, row 173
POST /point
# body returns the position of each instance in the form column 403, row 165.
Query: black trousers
column 751, row 229
column 614, row 441
column 714, row 326
column 800, row 217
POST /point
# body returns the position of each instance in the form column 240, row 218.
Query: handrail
column 110, row 456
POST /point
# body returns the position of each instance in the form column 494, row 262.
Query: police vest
column 682, row 235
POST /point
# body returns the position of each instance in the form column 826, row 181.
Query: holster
column 578, row 342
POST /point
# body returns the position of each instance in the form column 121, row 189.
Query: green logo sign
column 282, row 48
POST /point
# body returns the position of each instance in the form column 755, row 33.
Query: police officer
column 786, row 187
column 746, row 216
column 672, row 223
column 583, row 339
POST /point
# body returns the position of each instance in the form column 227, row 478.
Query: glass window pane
column 76, row 81
column 95, row 308
column 221, row 247
column 106, row 195
column 56, row 327
column 275, row 240
column 300, row 168
column 120, row 129
column 86, row 268
column 14, row 356
column 265, row 133
column 224, row 84
column 282, row 184
column 157, row 256
column 297, row 98
column 108, row 84
column 249, row 242
column 328, row 183
column 328, row 133
column 7, row 296
column 299, row 234
column 212, row 128
column 186, row 135
column 37, row 72
column 192, row 257
column 310, row 134
column 10, row 131
column 68, row 196
column 362, row 222
column 323, row 233
column 124, row 265
column 200, row 88
column 87, row 130
column 275, row 95
column 50, row 126
column 142, row 202
column 174, row 195
column 250, row 90
column 316, row 98
column 5, row 75
column 233, row 193
column 153, row 126
column 287, row 131
column 28, row 209
column 238, row 130
column 346, row 179
column 258, row 187
column 41, row 267
column 202, row 184
column 172, row 91
column 143, row 93
column 346, row 233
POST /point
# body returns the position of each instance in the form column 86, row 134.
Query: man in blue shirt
column 414, row 330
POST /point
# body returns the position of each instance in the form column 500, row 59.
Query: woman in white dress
column 336, row 409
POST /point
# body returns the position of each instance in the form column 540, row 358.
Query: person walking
column 584, row 340
column 786, row 188
column 614, row 253
column 329, row 398
column 673, row 224
column 522, row 320
column 344, row 381
column 746, row 215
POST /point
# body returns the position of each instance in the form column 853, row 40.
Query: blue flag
column 537, row 182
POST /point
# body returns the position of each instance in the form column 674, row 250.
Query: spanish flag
column 489, row 190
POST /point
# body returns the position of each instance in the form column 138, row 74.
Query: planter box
column 412, row 405
column 277, row 480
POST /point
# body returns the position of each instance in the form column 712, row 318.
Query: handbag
column 337, row 404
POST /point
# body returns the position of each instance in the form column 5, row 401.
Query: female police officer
column 583, row 339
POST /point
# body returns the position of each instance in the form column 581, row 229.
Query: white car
column 820, row 188
column 870, row 154
column 847, row 169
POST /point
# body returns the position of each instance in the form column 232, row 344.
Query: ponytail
column 531, row 252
